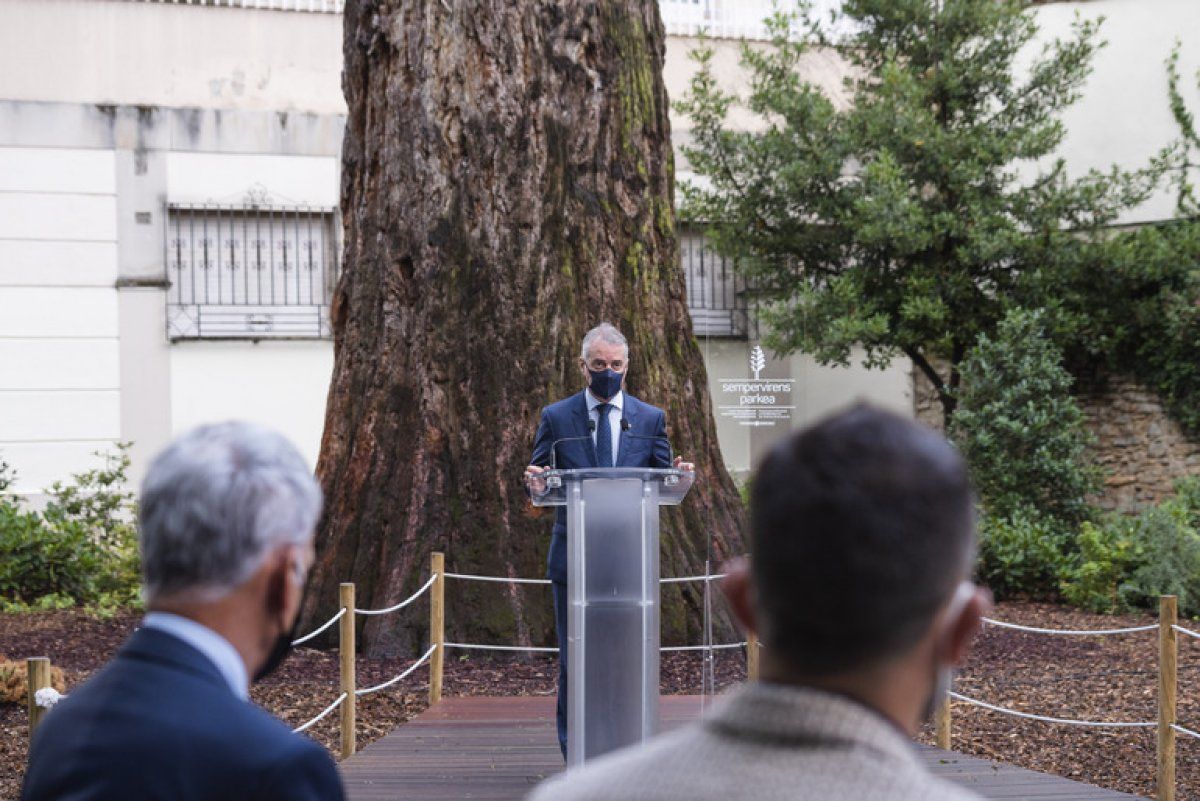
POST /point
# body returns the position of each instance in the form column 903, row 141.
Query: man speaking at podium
column 602, row 426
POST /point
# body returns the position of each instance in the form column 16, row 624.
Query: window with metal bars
column 262, row 271
column 716, row 294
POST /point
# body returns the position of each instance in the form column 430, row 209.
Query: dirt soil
column 1097, row 678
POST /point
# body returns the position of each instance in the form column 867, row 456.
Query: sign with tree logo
column 756, row 401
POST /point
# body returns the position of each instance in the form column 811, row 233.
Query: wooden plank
column 498, row 749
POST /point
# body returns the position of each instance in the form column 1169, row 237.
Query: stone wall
column 1142, row 451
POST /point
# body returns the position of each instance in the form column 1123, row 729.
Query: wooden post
column 37, row 677
column 437, row 625
column 941, row 722
column 346, row 655
column 1168, row 616
column 753, row 653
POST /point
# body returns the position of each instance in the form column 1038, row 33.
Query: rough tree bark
column 508, row 183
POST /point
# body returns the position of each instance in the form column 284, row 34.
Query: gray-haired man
column 227, row 518
column 602, row 426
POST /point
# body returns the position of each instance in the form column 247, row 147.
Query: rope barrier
column 500, row 579
column 403, row 603
column 1069, row 632
column 321, row 716
column 681, row 579
column 528, row 649
column 717, row 647
column 1188, row 632
column 504, row 580
column 1046, row 719
column 328, row 623
column 1188, row 732
column 402, row 676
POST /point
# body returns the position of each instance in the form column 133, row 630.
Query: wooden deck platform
column 497, row 749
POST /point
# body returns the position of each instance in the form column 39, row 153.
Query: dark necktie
column 604, row 454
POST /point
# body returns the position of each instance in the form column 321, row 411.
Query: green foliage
column 910, row 219
column 1022, row 554
column 82, row 548
column 1020, row 430
column 1127, row 562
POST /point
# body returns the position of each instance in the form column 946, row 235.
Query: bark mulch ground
column 1097, row 678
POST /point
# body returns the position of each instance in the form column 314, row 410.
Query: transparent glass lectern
column 613, row 596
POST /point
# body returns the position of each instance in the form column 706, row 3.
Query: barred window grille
column 257, row 271
column 716, row 294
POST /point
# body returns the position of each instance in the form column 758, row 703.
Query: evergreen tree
column 909, row 220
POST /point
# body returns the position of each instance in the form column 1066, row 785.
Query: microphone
column 557, row 442
column 625, row 431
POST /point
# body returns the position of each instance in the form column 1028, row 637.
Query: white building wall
column 197, row 177
column 278, row 384
column 59, row 348
column 1123, row 116
column 169, row 54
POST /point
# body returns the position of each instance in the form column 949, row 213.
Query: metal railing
column 254, row 271
column 716, row 294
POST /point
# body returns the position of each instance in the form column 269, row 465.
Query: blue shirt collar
column 617, row 400
column 216, row 648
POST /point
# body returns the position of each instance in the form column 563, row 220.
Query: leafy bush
column 1020, row 430
column 82, row 548
column 1108, row 553
column 1022, row 554
column 1128, row 562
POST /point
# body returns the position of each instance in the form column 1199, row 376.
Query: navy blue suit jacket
column 568, row 419
column 160, row 722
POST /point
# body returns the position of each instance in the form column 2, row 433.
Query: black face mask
column 605, row 383
column 283, row 643
column 279, row 652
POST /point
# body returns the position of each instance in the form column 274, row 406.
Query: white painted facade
column 110, row 110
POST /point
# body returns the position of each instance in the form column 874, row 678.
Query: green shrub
column 1128, row 562
column 1108, row 552
column 81, row 548
column 1022, row 554
column 1020, row 430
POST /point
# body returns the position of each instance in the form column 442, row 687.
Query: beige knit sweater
column 764, row 742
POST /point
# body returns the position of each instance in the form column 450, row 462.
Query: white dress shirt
column 215, row 647
column 615, row 414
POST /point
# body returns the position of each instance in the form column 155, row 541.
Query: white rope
column 717, row 647
column 402, row 676
column 1186, row 731
column 321, row 716
column 504, row 580
column 1067, row 721
column 1188, row 632
column 555, row 650
column 501, row 579
column 328, row 623
column 1068, row 632
column 403, row 603
column 501, row 647
column 681, row 579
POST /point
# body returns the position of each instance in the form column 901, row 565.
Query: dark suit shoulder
column 304, row 771
column 564, row 406
column 641, row 406
column 159, row 728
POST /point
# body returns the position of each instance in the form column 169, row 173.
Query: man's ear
column 963, row 630
column 278, row 569
column 738, row 588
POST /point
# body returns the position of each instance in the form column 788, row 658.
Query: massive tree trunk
column 508, row 183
